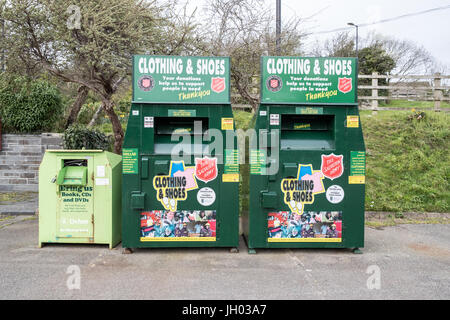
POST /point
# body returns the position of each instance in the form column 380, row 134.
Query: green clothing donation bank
column 307, row 174
column 180, row 179
column 80, row 197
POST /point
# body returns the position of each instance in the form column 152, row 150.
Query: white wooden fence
column 406, row 87
column 399, row 87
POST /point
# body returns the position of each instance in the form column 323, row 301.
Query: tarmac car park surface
column 412, row 262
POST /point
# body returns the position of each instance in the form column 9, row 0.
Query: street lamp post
column 356, row 44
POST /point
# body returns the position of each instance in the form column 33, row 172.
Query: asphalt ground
column 409, row 261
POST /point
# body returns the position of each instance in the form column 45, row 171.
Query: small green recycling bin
column 307, row 175
column 80, row 197
column 180, row 177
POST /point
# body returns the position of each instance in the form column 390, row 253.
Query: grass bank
column 243, row 120
column 417, row 105
column 408, row 160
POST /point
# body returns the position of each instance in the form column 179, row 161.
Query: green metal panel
column 159, row 165
column 320, row 179
column 72, row 176
column 181, row 80
column 308, row 80
column 163, row 193
column 79, row 197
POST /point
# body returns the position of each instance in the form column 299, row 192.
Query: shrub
column 28, row 106
column 77, row 137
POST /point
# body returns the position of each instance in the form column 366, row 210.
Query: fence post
column 437, row 92
column 374, row 92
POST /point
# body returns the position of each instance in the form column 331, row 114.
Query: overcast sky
column 432, row 30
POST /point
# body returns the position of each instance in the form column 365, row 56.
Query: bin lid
column 72, row 176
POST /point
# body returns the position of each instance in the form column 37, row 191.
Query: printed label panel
column 356, row 180
column 357, row 167
column 310, row 226
column 181, row 113
column 231, row 161
column 175, row 187
column 352, row 121
column 308, row 110
column 101, row 181
column 257, row 162
column 148, row 122
column 274, row 119
column 302, row 190
column 230, row 177
column 179, row 79
column 206, row 196
column 308, row 80
column 227, row 124
column 130, row 161
column 75, row 211
column 184, row 225
column 335, row 194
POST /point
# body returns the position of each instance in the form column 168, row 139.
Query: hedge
column 29, row 106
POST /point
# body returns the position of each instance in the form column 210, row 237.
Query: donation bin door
column 75, row 206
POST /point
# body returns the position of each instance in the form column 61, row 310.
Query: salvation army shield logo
column 332, row 166
column 345, row 85
column 218, row 85
column 146, row 83
column 206, row 169
column 274, row 83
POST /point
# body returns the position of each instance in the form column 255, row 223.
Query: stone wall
column 20, row 158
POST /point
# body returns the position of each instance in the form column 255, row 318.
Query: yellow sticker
column 302, row 126
column 174, row 187
column 356, row 180
column 352, row 121
column 227, row 124
column 301, row 190
column 230, row 177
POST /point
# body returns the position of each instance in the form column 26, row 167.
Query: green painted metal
column 180, row 80
column 308, row 80
column 152, row 193
column 80, row 197
column 72, row 176
column 307, row 131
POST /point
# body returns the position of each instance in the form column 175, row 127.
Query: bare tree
column 76, row 106
column 245, row 31
column 90, row 43
column 341, row 45
column 409, row 57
